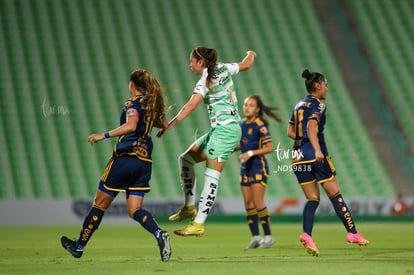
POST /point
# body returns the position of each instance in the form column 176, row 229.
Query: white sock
column 209, row 194
column 268, row 238
column 187, row 178
column 257, row 237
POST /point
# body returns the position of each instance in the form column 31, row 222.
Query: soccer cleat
column 193, row 229
column 164, row 245
column 309, row 244
column 255, row 242
column 356, row 238
column 267, row 243
column 70, row 246
column 185, row 212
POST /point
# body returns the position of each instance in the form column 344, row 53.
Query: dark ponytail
column 210, row 57
column 264, row 109
column 312, row 78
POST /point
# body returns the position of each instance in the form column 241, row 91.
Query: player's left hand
column 319, row 156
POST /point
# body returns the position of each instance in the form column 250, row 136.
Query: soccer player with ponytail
column 312, row 164
column 129, row 169
column 254, row 144
column 216, row 89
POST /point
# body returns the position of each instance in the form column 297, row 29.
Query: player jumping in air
column 216, row 89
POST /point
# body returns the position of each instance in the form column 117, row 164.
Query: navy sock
column 343, row 213
column 252, row 221
column 309, row 215
column 90, row 224
column 147, row 221
column 264, row 220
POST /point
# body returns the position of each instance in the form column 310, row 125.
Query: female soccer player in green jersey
column 216, row 89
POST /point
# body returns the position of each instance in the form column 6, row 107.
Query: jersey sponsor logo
column 198, row 88
column 321, row 108
column 140, row 148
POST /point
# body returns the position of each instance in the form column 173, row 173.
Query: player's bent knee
column 186, row 158
column 132, row 213
column 139, row 215
column 313, row 199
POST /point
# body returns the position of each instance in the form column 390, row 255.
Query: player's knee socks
column 252, row 221
column 309, row 215
column 90, row 224
column 343, row 212
column 264, row 220
column 208, row 196
column 187, row 177
column 147, row 221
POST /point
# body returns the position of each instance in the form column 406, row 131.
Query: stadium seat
column 78, row 55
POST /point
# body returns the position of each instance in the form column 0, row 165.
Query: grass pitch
column 132, row 250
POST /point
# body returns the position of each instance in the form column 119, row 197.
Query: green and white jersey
column 222, row 101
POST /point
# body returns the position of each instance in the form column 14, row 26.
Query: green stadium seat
column 80, row 53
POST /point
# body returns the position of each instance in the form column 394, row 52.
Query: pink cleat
column 356, row 238
column 309, row 244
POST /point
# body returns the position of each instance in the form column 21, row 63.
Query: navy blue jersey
column 254, row 136
column 137, row 143
column 308, row 108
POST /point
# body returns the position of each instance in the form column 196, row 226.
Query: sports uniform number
column 298, row 116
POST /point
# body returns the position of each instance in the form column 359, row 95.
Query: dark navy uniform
column 129, row 169
column 305, row 166
column 254, row 136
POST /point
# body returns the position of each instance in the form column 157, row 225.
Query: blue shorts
column 254, row 172
column 317, row 171
column 126, row 174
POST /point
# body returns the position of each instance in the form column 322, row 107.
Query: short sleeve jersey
column 222, row 100
column 305, row 110
column 254, row 136
column 137, row 143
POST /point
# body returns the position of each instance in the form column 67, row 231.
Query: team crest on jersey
column 264, row 130
column 128, row 103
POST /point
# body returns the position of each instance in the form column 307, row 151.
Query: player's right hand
column 94, row 138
